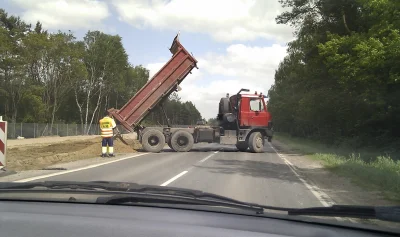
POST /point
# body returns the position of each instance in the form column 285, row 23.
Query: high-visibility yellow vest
column 106, row 126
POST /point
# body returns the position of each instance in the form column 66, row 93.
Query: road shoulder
column 339, row 189
column 66, row 167
column 40, row 155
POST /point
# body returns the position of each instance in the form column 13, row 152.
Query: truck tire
column 229, row 117
column 242, row 146
column 256, row 142
column 224, row 106
column 269, row 139
column 153, row 141
column 182, row 141
column 144, row 131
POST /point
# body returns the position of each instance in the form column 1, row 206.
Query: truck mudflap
column 163, row 83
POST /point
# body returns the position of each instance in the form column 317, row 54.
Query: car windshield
column 282, row 104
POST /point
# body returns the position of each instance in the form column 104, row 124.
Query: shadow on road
column 260, row 169
column 210, row 149
column 200, row 149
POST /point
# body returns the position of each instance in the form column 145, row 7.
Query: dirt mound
column 43, row 155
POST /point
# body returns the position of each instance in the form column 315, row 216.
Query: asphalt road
column 262, row 178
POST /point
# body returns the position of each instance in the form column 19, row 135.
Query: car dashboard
column 43, row 219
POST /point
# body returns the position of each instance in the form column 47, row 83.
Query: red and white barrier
column 3, row 142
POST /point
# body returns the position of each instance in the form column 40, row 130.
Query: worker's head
column 106, row 113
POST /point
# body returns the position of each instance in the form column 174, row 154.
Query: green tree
column 53, row 61
column 341, row 76
column 212, row 122
column 106, row 61
column 52, row 77
column 12, row 78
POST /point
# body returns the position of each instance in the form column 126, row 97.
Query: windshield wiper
column 134, row 192
column 390, row 213
column 62, row 185
column 123, row 187
column 161, row 199
column 159, row 194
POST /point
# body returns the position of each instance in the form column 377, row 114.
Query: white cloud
column 239, row 67
column 224, row 20
column 154, row 67
column 256, row 64
column 64, row 14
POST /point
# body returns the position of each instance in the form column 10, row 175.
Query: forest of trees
column 178, row 112
column 340, row 82
column 55, row 78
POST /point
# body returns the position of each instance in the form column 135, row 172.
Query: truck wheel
column 153, row 141
column 144, row 131
column 224, row 106
column 269, row 139
column 182, row 141
column 242, row 146
column 256, row 142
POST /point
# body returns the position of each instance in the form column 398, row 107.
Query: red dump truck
column 243, row 119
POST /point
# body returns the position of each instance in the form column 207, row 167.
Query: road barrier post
column 3, row 142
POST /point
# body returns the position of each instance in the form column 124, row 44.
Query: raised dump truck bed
column 163, row 83
column 243, row 119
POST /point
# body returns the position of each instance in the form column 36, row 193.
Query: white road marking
column 78, row 169
column 174, row 178
column 184, row 172
column 322, row 197
column 207, row 157
column 314, row 190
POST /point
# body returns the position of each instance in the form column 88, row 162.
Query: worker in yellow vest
column 107, row 124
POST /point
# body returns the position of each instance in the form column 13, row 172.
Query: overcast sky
column 237, row 42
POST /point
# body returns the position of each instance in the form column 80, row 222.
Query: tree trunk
column 87, row 110
column 97, row 106
column 345, row 22
column 53, row 114
column 79, row 108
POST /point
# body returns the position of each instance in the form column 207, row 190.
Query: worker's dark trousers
column 107, row 141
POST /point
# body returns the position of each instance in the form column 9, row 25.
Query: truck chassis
column 153, row 139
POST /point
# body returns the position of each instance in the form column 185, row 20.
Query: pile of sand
column 39, row 156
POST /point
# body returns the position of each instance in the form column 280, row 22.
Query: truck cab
column 253, row 111
column 244, row 120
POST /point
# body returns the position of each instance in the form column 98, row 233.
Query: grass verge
column 371, row 169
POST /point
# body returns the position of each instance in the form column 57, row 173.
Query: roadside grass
column 368, row 168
